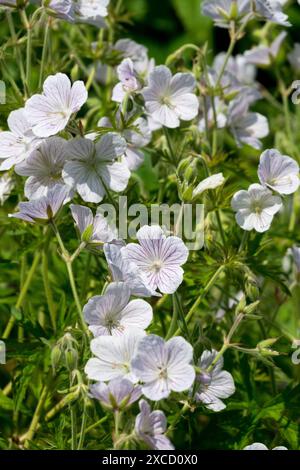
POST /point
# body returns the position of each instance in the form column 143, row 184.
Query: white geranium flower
column 136, row 139
column 6, row 186
column 126, row 271
column 212, row 182
column 150, row 427
column 113, row 313
column 50, row 112
column 170, row 99
column 279, row 172
column 294, row 57
column 93, row 230
column 113, row 356
column 159, row 257
column 263, row 55
column 255, row 208
column 247, row 128
column 17, row 143
column 44, row 167
column 214, row 385
column 92, row 168
column 260, row 446
column 91, row 11
column 163, row 367
column 128, row 81
column 45, row 208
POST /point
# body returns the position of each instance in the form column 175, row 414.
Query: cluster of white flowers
column 46, row 143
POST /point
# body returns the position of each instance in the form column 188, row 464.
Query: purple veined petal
column 100, row 391
column 115, row 175
column 159, row 81
column 119, row 93
column 186, row 106
column 80, row 149
column 276, row 44
column 173, row 251
column 18, row 123
column 168, row 279
column 211, row 402
column 260, row 55
column 182, row 84
column 110, row 147
column 133, row 158
column 150, row 232
column 127, row 75
column 82, row 216
column 156, row 390
column 137, row 314
column 78, row 96
column 222, row 385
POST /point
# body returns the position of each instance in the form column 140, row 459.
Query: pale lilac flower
column 136, row 139
column 255, row 208
column 260, row 446
column 93, row 230
column 50, row 112
column 6, row 186
column 263, row 55
column 17, row 143
column 151, row 426
column 170, row 99
column 271, row 11
column 225, row 11
column 44, row 208
column 294, row 57
column 44, row 167
column 63, row 9
column 113, row 356
column 247, row 127
column 128, row 84
column 215, row 384
column 118, row 394
column 143, row 66
column 220, row 108
column 212, row 182
column 92, row 11
column 237, row 66
column 123, row 270
column 159, row 257
column 163, row 367
column 92, row 168
column 278, row 172
column 113, row 313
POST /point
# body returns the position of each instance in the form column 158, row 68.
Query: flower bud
column 55, row 357
column 71, row 359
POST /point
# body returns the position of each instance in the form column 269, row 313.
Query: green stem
column 22, row 295
column 170, row 146
column 47, row 286
column 83, row 428
column 222, row 233
column 180, row 413
column 174, row 320
column 73, row 428
column 15, row 43
column 28, row 28
column 36, row 417
column 44, row 53
column 244, row 240
column 201, row 296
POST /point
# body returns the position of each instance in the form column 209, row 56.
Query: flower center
column 112, row 323
column 157, row 265
column 163, row 373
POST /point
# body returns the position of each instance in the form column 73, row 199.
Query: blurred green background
column 164, row 25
